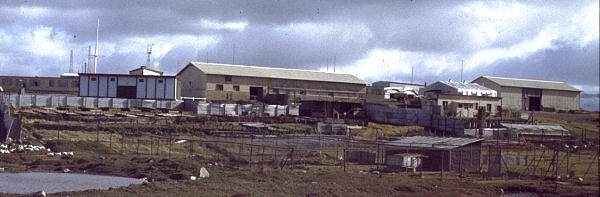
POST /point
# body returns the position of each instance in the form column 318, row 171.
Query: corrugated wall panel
column 83, row 85
column 151, row 88
column 112, row 87
column 170, row 89
column 103, row 86
column 141, row 87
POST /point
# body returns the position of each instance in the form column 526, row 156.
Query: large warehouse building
column 319, row 93
column 66, row 84
column 533, row 95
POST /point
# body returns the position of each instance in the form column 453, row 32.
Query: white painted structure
column 129, row 86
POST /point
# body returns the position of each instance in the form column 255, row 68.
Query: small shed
column 439, row 153
column 409, row 161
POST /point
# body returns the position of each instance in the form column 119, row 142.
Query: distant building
column 387, row 89
column 319, row 93
column 65, row 84
column 143, row 70
column 533, row 95
column 128, row 86
column 461, row 99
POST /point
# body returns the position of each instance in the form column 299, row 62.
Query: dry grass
column 384, row 130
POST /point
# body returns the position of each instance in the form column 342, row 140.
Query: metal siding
column 170, row 88
column 112, row 87
column 512, row 98
column 83, row 86
column 151, row 88
column 140, row 87
column 102, row 88
column 93, row 86
column 127, row 81
column 560, row 100
column 160, row 89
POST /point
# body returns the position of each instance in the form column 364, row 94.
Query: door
column 128, row 92
column 256, row 92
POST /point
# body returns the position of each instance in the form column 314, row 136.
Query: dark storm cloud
column 431, row 36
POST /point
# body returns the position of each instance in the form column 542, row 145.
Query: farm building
column 66, row 84
column 128, row 86
column 435, row 153
column 533, row 95
column 382, row 91
column 143, row 70
column 461, row 99
column 319, row 93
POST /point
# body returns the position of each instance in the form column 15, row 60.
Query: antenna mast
column 71, row 62
column 461, row 70
column 96, row 49
column 148, row 52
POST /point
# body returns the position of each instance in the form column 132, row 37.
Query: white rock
column 193, row 178
column 50, row 154
column 180, row 141
column 203, row 173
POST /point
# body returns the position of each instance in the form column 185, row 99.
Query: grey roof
column 278, row 73
column 530, row 83
column 465, row 85
column 433, row 142
column 537, row 129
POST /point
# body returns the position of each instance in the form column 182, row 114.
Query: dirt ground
column 168, row 174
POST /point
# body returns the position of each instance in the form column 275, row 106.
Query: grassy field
column 581, row 124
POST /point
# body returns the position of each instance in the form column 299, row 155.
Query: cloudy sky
column 375, row 40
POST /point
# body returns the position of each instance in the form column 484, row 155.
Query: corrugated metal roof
column 465, row 85
column 433, row 142
column 278, row 73
column 464, row 88
column 537, row 129
column 530, row 83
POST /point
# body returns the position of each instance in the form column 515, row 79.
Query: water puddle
column 28, row 182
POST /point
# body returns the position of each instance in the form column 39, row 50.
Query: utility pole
column 96, row 49
column 461, row 70
column 71, row 62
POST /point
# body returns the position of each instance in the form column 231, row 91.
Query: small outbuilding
column 128, row 86
column 437, row 153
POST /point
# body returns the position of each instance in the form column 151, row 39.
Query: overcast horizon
column 380, row 40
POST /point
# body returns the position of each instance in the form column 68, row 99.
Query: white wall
column 147, row 87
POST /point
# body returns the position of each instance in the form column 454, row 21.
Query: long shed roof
column 278, row 73
column 531, row 83
column 433, row 142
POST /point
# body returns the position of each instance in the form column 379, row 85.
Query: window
column 219, row 87
column 445, row 105
column 160, row 81
column 141, row 80
column 275, row 91
column 93, row 78
column 236, row 88
column 51, row 83
column 227, row 78
column 488, row 107
column 112, row 79
column 476, row 106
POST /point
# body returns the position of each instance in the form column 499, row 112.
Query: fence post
column 110, row 143
column 170, row 145
column 58, row 135
column 122, row 143
column 137, row 149
column 292, row 159
column 344, row 159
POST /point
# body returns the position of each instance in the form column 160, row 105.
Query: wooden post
column 344, row 159
column 58, row 135
column 122, row 143
column 110, row 143
column 292, row 159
